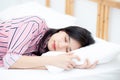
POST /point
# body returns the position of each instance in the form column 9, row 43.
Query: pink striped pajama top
column 19, row 37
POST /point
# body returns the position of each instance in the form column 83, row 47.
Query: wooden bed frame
column 69, row 6
column 102, row 16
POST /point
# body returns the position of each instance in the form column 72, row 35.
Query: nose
column 63, row 45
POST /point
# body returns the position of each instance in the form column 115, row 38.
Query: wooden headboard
column 69, row 6
column 102, row 15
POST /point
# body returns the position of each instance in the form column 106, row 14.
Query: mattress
column 108, row 71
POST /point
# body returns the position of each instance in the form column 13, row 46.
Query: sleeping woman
column 24, row 40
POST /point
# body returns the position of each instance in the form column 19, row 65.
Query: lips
column 54, row 46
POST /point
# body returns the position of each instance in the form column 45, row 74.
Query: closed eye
column 67, row 40
column 67, row 50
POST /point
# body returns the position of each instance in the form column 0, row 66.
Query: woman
column 24, row 40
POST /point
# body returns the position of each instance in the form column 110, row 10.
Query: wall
column 86, row 13
column 84, row 10
column 114, row 25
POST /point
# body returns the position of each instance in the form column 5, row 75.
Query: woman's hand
column 65, row 61
column 87, row 65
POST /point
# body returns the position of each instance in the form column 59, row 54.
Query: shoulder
column 36, row 19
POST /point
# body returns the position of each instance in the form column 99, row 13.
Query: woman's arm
column 31, row 62
column 39, row 62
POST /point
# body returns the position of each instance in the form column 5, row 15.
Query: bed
column 109, row 71
column 106, row 71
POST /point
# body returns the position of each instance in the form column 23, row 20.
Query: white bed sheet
column 109, row 71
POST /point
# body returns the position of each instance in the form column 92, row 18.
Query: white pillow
column 54, row 19
column 102, row 51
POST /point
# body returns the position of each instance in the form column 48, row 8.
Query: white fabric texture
column 108, row 71
column 53, row 18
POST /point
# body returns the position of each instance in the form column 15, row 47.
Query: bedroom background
column 86, row 14
column 85, row 11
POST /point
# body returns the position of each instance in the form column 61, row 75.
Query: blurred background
column 85, row 11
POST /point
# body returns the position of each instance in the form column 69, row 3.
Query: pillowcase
column 101, row 50
column 53, row 18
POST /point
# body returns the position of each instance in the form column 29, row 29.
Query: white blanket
column 108, row 71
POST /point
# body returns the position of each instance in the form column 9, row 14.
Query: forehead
column 74, row 44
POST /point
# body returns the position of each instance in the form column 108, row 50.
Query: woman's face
column 62, row 42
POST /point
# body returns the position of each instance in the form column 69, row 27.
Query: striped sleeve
column 21, row 35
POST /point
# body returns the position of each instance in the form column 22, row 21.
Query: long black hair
column 82, row 35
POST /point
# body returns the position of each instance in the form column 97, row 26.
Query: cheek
column 76, row 46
